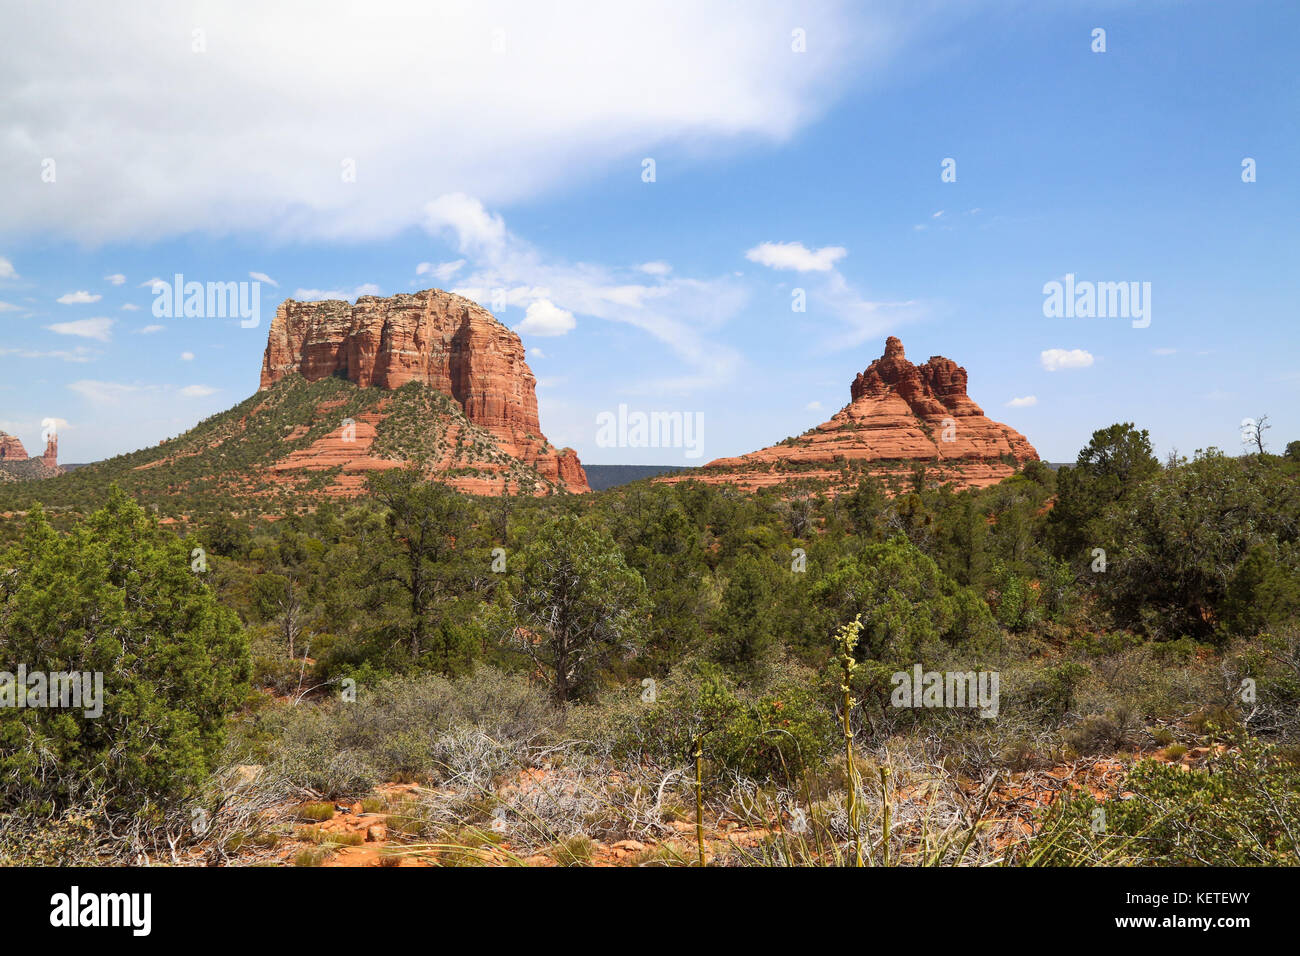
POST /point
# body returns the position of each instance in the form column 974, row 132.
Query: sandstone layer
column 432, row 338
column 11, row 448
column 899, row 415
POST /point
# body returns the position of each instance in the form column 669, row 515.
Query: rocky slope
column 899, row 415
column 431, row 338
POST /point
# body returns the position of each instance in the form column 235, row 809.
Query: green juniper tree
column 120, row 597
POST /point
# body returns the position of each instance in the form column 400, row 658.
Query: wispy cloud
column 796, row 256
column 115, row 279
column 1028, row 401
column 197, row 391
column 99, row 329
column 78, row 298
column 7, row 269
column 263, row 277
column 681, row 313
column 442, row 271
column 266, row 171
column 79, row 354
column 105, row 393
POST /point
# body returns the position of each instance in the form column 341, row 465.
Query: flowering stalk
column 846, row 639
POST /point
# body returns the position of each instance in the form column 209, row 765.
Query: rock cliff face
column 11, row 449
column 433, row 338
column 899, row 415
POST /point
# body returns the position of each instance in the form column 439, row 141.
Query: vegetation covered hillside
column 258, row 456
column 659, row 674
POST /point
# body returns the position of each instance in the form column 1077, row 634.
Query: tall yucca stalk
column 699, row 794
column 846, row 640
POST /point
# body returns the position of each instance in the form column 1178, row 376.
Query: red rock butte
column 898, row 414
column 431, row 337
column 12, row 453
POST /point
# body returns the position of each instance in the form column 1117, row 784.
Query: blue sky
column 512, row 142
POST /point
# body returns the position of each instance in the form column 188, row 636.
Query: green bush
column 775, row 734
column 120, row 597
column 1239, row 810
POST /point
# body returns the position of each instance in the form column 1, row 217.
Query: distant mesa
column 429, row 379
column 434, row 339
column 899, row 415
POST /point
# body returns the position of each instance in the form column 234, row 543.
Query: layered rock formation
column 432, row 338
column 899, row 415
column 11, row 449
column 15, row 465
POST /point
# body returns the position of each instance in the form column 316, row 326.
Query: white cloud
column 681, row 313
column 545, row 318
column 197, row 391
column 150, row 283
column 795, row 255
column 78, row 298
column 442, row 271
column 130, row 308
column 104, row 393
column 1056, row 359
column 655, row 268
column 99, row 329
column 116, row 278
column 536, row 353
column 860, row 318
column 187, row 356
column 474, row 227
column 1028, row 401
column 813, row 406
column 151, row 330
column 263, row 277
column 79, row 354
column 9, row 307
column 7, row 269
column 413, row 92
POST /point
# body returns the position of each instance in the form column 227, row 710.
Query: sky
column 646, row 192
